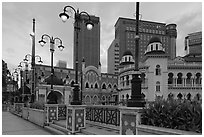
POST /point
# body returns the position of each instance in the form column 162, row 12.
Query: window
column 156, row 46
column 109, row 86
column 188, row 79
column 151, row 47
column 103, row 86
column 179, row 79
column 157, row 86
column 127, row 80
column 96, row 85
column 87, row 85
column 170, row 79
column 158, row 70
column 198, row 79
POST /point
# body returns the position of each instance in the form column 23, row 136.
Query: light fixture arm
column 69, row 7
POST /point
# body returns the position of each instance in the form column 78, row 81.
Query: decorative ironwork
column 62, row 112
column 109, row 115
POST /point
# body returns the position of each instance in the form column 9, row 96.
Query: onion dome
column 155, row 46
column 127, row 58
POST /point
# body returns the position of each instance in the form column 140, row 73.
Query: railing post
column 129, row 120
column 75, row 118
column 51, row 112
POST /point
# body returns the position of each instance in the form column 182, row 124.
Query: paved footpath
column 14, row 125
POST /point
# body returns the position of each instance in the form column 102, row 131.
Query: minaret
column 172, row 32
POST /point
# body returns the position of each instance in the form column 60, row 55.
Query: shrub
column 37, row 105
column 175, row 114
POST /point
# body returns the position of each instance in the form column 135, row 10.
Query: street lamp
column 89, row 24
column 21, row 78
column 26, row 59
column 137, row 99
column 37, row 56
column 52, row 44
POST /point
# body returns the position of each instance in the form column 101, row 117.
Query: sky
column 17, row 26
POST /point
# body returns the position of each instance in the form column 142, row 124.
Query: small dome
column 127, row 52
column 154, row 39
column 127, row 58
column 56, row 80
column 155, row 46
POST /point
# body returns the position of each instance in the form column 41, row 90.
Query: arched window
column 198, row 96
column 91, row 86
column 179, row 79
column 72, row 84
column 127, row 96
column 170, row 96
column 157, row 86
column 109, row 86
column 179, row 96
column 88, row 99
column 156, row 46
column 129, row 59
column 87, row 85
column 127, row 80
column 170, row 79
column 158, row 70
column 95, row 99
column 104, row 86
column 96, row 85
column 151, row 47
column 188, row 96
column 198, row 79
column 115, row 87
column 188, row 79
column 123, row 81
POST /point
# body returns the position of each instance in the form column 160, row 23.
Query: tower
column 172, row 32
column 125, row 37
column 89, row 43
column 157, row 60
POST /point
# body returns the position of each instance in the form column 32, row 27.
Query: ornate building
column 97, row 87
column 161, row 77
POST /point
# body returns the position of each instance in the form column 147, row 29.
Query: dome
column 56, row 80
column 127, row 52
column 155, row 46
column 154, row 39
column 127, row 58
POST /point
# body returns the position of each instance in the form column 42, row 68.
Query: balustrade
column 107, row 115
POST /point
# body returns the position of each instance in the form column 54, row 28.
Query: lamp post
column 77, row 17
column 22, row 79
column 137, row 99
column 17, row 78
column 26, row 59
column 52, row 44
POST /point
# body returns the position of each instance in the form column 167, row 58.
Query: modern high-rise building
column 125, row 36
column 193, row 43
column 89, row 43
column 113, row 57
